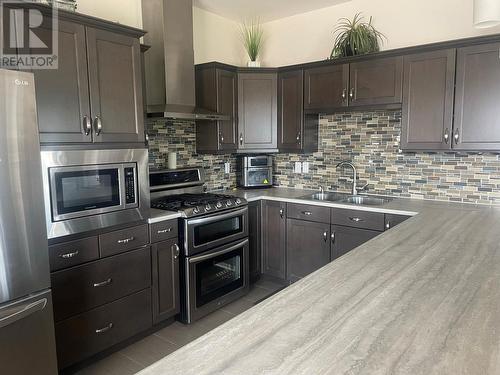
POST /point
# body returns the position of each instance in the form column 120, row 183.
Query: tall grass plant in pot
column 252, row 35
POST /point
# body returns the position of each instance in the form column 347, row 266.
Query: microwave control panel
column 129, row 185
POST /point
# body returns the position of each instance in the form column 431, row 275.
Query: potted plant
column 355, row 37
column 252, row 35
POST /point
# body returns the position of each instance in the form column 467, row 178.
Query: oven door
column 87, row 190
column 216, row 278
column 211, row 231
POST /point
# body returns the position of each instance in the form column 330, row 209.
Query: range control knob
column 229, row 203
column 208, row 207
column 219, row 205
column 238, row 201
column 196, row 210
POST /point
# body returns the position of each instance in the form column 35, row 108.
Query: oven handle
column 221, row 252
column 217, row 217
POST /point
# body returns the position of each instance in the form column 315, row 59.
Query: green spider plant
column 252, row 35
column 355, row 37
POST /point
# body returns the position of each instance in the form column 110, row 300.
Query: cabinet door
column 344, row 239
column 307, row 247
column 257, row 106
column 227, row 103
column 477, row 113
column 428, row 89
column 326, row 87
column 290, row 110
column 375, row 82
column 62, row 94
column 254, row 238
column 165, row 265
column 115, row 87
column 274, row 238
column 391, row 220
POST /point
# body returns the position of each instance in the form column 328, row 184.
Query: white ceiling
column 264, row 10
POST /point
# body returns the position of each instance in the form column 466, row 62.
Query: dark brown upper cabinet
column 257, row 108
column 290, row 110
column 477, row 94
column 428, row 89
column 217, row 90
column 115, row 87
column 326, row 87
column 376, row 81
column 95, row 94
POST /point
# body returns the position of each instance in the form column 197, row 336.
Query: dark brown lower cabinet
column 274, row 239
column 165, row 270
column 391, row 220
column 344, row 239
column 254, row 237
column 308, row 248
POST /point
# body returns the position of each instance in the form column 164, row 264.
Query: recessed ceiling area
column 264, row 10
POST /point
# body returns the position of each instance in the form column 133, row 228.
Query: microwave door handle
column 217, row 217
column 221, row 252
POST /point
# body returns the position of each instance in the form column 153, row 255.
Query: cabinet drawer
column 87, row 334
column 358, row 219
column 84, row 287
column 72, row 253
column 163, row 230
column 309, row 213
column 123, row 240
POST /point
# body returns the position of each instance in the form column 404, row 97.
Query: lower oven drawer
column 87, row 334
column 84, row 287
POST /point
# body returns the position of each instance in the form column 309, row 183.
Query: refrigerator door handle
column 22, row 312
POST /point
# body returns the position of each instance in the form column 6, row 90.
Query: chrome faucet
column 354, row 172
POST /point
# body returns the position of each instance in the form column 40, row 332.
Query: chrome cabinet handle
column 241, row 138
column 307, row 213
column 97, row 125
column 457, row 137
column 176, row 250
column 325, row 236
column 69, row 255
column 87, row 125
column 446, row 135
column 344, row 94
column 351, row 93
column 332, row 236
column 126, row 240
column 281, row 213
column 355, row 219
column 103, row 283
column 298, row 137
column 388, row 225
column 104, row 329
column 164, row 230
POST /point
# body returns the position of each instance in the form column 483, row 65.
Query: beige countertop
column 421, row 298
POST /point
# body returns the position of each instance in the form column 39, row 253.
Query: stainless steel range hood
column 169, row 63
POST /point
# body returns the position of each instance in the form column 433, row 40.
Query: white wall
column 309, row 36
column 126, row 12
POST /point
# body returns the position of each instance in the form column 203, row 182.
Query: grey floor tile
column 239, row 306
column 115, row 364
column 182, row 334
column 269, row 284
column 257, row 294
column 149, row 350
column 215, row 319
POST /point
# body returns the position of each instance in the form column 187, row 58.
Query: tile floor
column 165, row 341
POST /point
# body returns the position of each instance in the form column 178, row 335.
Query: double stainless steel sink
column 358, row 200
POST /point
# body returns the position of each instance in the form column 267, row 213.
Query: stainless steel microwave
column 92, row 189
column 255, row 171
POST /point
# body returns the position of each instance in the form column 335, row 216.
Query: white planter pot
column 253, row 64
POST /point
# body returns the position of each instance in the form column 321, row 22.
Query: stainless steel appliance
column 214, row 238
column 255, row 171
column 92, row 189
column 27, row 343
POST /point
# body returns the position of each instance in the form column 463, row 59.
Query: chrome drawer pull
column 177, row 251
column 104, row 329
column 103, row 283
column 307, row 213
column 164, row 231
column 356, row 219
column 69, row 255
column 126, row 240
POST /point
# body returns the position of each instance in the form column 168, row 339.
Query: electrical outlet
column 305, row 167
column 298, row 167
column 227, row 168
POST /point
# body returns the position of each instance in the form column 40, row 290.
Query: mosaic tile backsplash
column 180, row 137
column 371, row 141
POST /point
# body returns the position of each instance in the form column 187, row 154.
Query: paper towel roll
column 172, row 160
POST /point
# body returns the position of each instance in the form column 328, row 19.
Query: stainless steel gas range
column 214, row 238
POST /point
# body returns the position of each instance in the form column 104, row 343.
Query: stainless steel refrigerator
column 27, row 343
